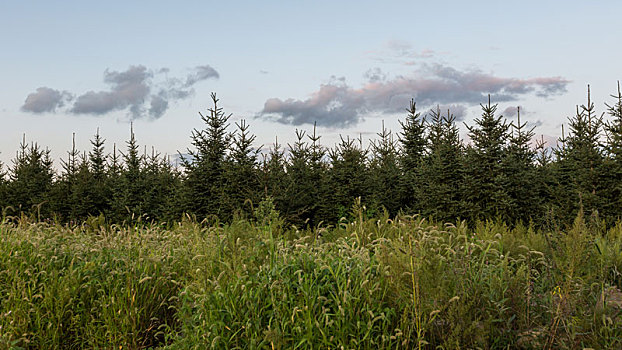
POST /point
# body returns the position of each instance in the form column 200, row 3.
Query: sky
column 349, row 66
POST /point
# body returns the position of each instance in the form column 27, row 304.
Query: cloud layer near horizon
column 337, row 104
column 134, row 90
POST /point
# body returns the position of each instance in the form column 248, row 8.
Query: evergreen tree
column 205, row 166
column 114, row 167
column 162, row 185
column 442, row 174
column 613, row 162
column 347, row 177
column 274, row 179
column 562, row 190
column 242, row 176
column 82, row 191
column 3, row 187
column 100, row 191
column 486, row 180
column 319, row 191
column 384, row 173
column 580, row 164
column 545, row 184
column 305, row 194
column 413, row 142
column 522, row 184
column 31, row 180
column 62, row 189
column 128, row 196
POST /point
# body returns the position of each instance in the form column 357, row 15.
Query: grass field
column 365, row 284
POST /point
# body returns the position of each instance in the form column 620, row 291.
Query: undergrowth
column 366, row 283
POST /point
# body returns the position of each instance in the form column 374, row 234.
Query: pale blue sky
column 347, row 65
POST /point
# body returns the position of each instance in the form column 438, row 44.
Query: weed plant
column 368, row 283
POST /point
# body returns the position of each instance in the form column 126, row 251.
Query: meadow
column 256, row 283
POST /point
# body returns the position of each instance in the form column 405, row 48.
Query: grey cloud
column 128, row 89
column 158, row 106
column 337, row 104
column 457, row 110
column 511, row 111
column 333, row 104
column 375, row 75
column 405, row 49
column 138, row 90
column 45, row 100
column 201, row 73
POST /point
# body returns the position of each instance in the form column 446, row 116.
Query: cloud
column 511, row 111
column 459, row 111
column 128, row 89
column 338, row 105
column 201, row 73
column 45, row 100
column 138, row 90
column 375, row 75
column 406, row 49
column 158, row 106
column 334, row 104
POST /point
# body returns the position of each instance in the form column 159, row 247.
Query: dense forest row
column 425, row 168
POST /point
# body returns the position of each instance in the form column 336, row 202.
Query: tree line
column 502, row 173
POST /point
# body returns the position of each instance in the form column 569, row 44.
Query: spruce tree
column 128, row 196
column 31, row 179
column 523, row 184
column 613, row 161
column 413, row 146
column 82, row 194
column 320, row 211
column 205, row 165
column 384, row 174
column 544, row 183
column 241, row 174
column 3, row 187
column 100, row 191
column 347, row 177
column 63, row 188
column 442, row 174
column 274, row 179
column 583, row 160
column 304, row 201
column 486, row 180
column 162, row 185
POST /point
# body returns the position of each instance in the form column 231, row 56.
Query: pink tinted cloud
column 337, row 104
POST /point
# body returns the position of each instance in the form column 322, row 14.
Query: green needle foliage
column 486, row 179
column 442, row 172
column 613, row 163
column 413, row 147
column 348, row 160
column 580, row 162
column 522, row 182
column 31, row 180
column 242, row 172
column 206, row 164
column 384, row 173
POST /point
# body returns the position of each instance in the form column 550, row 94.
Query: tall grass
column 370, row 283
